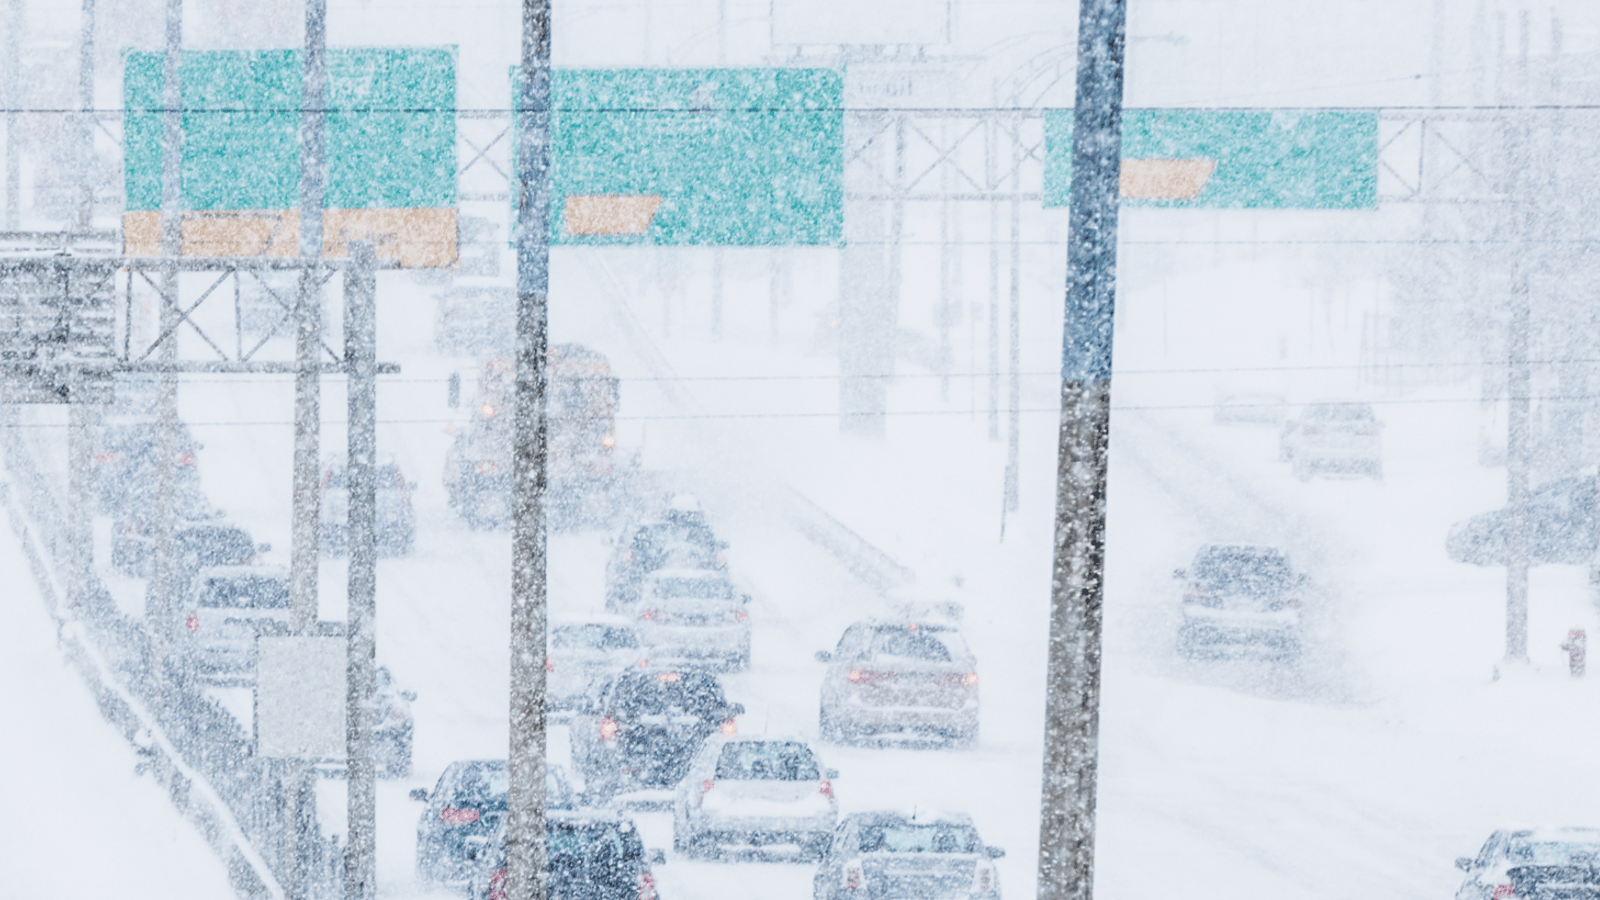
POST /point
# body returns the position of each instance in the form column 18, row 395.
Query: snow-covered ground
column 80, row 822
column 1368, row 768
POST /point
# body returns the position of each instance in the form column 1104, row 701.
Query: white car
column 581, row 652
column 694, row 618
column 747, row 793
column 227, row 608
column 1539, row 861
column 1333, row 437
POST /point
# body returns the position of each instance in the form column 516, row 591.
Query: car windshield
column 593, row 637
column 1340, row 412
column 656, row 693
column 767, row 761
column 907, row 837
column 1553, row 853
column 708, row 588
column 235, row 591
column 913, row 642
column 674, row 543
column 1245, row 570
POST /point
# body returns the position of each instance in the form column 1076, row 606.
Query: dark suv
column 1238, row 596
column 594, row 855
column 464, row 811
column 679, row 538
column 639, row 729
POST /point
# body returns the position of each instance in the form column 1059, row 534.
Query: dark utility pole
column 1072, row 704
column 361, row 364
column 525, row 825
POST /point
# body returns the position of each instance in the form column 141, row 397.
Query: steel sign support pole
column 304, row 534
column 361, row 360
column 164, row 578
column 1072, row 705
column 85, row 205
column 526, row 854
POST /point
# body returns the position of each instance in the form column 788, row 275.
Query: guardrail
column 190, row 745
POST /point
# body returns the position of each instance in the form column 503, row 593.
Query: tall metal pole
column 13, row 95
column 1519, row 380
column 361, row 364
column 308, row 326
column 1072, row 704
column 84, row 210
column 1013, row 489
column 305, row 479
column 164, row 578
column 526, row 856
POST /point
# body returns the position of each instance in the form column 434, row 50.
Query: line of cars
column 651, row 725
column 227, row 595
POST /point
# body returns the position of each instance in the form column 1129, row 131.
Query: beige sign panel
column 621, row 214
column 415, row 238
column 300, row 697
column 1165, row 179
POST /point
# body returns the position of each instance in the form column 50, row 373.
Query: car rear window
column 1553, row 853
column 1242, row 568
column 594, row 852
column 482, row 785
column 709, row 588
column 244, row 592
column 767, row 761
column 657, row 693
column 917, row 643
column 217, row 546
column 907, row 837
column 593, row 637
column 1340, row 412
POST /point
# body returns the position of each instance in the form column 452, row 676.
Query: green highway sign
column 1238, row 159
column 391, row 129
column 741, row 157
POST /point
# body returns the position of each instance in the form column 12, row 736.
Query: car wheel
column 828, row 727
column 1186, row 643
column 966, row 739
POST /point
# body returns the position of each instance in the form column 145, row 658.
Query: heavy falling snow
column 807, row 266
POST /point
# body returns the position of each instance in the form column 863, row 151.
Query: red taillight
column 1502, row 891
column 108, row 456
column 729, row 726
column 738, row 615
column 549, row 664
column 458, row 816
column 861, row 676
column 608, row 729
column 193, row 622
column 985, row 882
column 497, row 885
column 647, row 614
column 647, row 886
column 852, row 877
column 186, row 459
column 706, row 786
column 827, row 788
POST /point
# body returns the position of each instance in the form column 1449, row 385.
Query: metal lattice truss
column 1441, row 157
column 944, row 154
column 245, row 305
